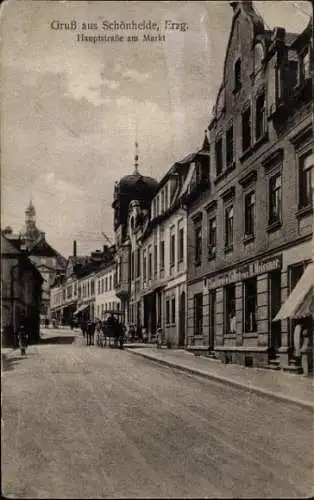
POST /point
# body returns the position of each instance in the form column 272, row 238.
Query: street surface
column 85, row 422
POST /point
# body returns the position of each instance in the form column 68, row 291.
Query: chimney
column 74, row 248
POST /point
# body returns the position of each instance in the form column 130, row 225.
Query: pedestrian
column 144, row 335
column 22, row 337
column 159, row 338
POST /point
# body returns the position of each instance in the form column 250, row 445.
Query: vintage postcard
column 157, row 274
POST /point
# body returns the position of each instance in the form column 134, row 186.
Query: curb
column 210, row 376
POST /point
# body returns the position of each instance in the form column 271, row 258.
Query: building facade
column 250, row 239
column 86, row 286
column 20, row 292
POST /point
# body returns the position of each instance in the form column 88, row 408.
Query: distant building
column 250, row 238
column 48, row 261
column 74, row 293
column 20, row 291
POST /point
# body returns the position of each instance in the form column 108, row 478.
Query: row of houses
column 218, row 253
column 85, row 290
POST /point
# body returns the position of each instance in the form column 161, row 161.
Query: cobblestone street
column 90, row 422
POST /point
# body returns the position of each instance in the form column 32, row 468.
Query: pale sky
column 69, row 109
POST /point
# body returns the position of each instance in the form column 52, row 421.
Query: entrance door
column 274, row 281
column 182, row 320
column 212, row 319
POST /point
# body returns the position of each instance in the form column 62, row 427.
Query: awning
column 300, row 298
column 80, row 309
column 307, row 306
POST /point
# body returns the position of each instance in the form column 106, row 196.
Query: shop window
column 305, row 180
column 181, row 245
column 198, row 314
column 246, row 129
column 172, row 250
column 229, row 146
column 260, row 116
column 212, row 237
column 219, row 158
column 249, row 214
column 229, row 219
column 198, row 245
column 237, row 75
column 167, row 311
column 275, row 199
column 250, row 305
column 230, row 310
column 162, row 255
column 173, row 310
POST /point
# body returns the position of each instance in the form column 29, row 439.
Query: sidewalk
column 293, row 388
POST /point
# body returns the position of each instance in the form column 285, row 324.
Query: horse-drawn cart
column 110, row 331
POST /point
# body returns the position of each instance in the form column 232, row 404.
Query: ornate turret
column 30, row 233
column 132, row 187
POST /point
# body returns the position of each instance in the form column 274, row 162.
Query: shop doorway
column 182, row 320
column 211, row 319
column 274, row 287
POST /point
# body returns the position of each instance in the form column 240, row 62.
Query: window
column 249, row 215
column 198, row 314
column 275, row 198
column 250, row 305
column 173, row 310
column 155, row 260
column 229, row 227
column 106, row 284
column 150, row 263
column 99, row 283
column 166, row 197
column 260, row 118
column 305, row 179
column 218, row 153
column 162, row 255
column 230, row 310
column 102, row 285
column 172, row 250
column 181, row 245
column 132, row 266
column 92, row 287
column 110, row 282
column 102, row 308
column 198, row 244
column 212, row 236
column 162, row 201
column 138, row 262
column 305, row 71
column 229, row 145
column 246, row 129
column 237, row 75
column 144, row 265
column 167, row 311
column 157, row 204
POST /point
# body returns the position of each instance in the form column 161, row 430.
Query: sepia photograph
column 157, row 249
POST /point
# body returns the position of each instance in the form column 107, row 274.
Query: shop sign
column 245, row 272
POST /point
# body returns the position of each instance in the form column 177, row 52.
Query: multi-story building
column 75, row 293
column 20, row 291
column 249, row 241
column 131, row 188
column 105, row 296
column 152, row 261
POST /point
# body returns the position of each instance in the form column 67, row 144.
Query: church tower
column 31, row 233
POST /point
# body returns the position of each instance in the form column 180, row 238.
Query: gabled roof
column 42, row 248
